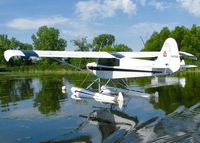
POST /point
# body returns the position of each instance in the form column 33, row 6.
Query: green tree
column 178, row 33
column 25, row 46
column 164, row 34
column 4, row 42
column 156, row 40
column 47, row 38
column 103, row 40
column 14, row 43
column 4, row 45
column 108, row 48
column 82, row 44
column 122, row 48
column 117, row 48
column 152, row 44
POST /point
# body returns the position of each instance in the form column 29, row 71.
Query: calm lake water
column 34, row 109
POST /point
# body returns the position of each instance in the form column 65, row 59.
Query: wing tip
column 7, row 55
column 11, row 53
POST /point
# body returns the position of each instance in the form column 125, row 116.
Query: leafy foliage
column 48, row 39
column 117, row 48
column 82, row 44
column 4, row 45
column 122, row 48
column 106, row 42
column 103, row 40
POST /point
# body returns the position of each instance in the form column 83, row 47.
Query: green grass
column 40, row 70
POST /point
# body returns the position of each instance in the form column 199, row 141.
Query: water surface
column 34, row 109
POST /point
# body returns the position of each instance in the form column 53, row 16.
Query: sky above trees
column 128, row 20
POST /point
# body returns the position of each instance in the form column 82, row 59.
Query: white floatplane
column 118, row 65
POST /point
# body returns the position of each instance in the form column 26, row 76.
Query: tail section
column 168, row 58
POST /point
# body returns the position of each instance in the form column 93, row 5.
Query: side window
column 108, row 62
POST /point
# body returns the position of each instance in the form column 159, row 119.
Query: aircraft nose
column 90, row 66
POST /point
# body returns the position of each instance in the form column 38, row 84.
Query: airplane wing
column 76, row 54
column 87, row 54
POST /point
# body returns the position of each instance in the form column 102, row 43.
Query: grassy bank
column 40, row 70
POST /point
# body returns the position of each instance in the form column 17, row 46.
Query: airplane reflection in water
column 116, row 95
column 112, row 125
column 106, row 125
column 166, row 81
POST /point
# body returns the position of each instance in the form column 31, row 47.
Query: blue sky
column 127, row 20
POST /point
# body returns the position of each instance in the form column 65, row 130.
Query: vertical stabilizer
column 168, row 58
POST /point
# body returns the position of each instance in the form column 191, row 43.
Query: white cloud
column 29, row 23
column 68, row 27
column 158, row 5
column 94, row 9
column 192, row 6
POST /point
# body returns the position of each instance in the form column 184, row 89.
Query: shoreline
column 62, row 70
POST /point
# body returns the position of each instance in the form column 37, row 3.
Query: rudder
column 169, row 56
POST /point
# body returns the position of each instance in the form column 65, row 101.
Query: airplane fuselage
column 126, row 68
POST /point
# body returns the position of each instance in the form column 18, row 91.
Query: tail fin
column 169, row 57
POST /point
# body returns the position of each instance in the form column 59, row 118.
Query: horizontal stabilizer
column 187, row 55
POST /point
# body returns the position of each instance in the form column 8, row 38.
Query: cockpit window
column 108, row 62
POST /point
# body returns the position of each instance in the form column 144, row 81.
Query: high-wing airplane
column 118, row 65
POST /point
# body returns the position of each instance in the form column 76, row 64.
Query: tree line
column 48, row 38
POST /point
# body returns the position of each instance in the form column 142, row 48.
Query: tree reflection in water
column 48, row 99
column 13, row 90
column 44, row 92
